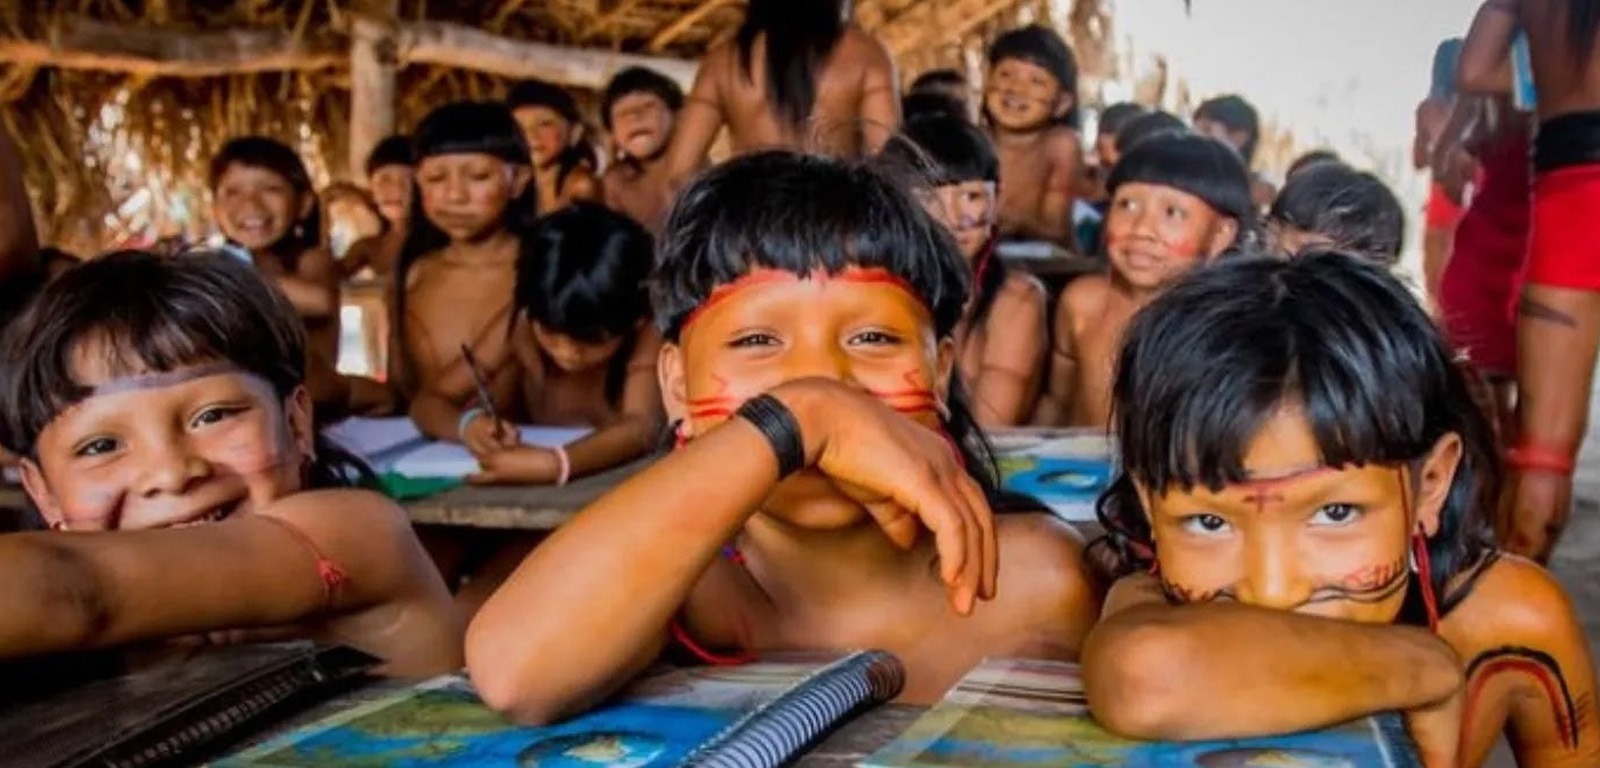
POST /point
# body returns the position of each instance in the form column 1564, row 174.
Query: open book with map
column 1065, row 469
column 750, row 715
column 1021, row 714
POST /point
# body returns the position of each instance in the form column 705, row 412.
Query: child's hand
column 906, row 475
column 519, row 465
column 484, row 436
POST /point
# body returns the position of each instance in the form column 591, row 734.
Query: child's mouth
column 215, row 514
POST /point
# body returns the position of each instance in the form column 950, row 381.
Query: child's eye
column 213, row 415
column 1205, row 524
column 98, row 446
column 1336, row 514
column 754, row 340
column 875, row 338
column 1175, row 213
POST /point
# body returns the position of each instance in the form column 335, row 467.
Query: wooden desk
column 517, row 507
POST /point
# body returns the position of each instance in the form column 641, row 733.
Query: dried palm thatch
column 116, row 151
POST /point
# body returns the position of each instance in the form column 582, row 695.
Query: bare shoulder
column 1513, row 602
column 864, row 47
column 1021, row 300
column 1062, row 142
column 1042, row 559
column 1086, row 295
column 1023, row 287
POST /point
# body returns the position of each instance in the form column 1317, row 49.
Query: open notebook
column 1064, row 469
column 753, row 716
column 1021, row 714
column 395, row 446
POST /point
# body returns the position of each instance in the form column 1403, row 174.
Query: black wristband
column 777, row 424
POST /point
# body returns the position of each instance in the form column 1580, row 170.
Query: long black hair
column 582, row 273
column 1352, row 208
column 1210, row 360
column 272, row 155
column 799, row 35
column 153, row 313
column 1583, row 24
column 802, row 214
column 538, row 93
column 943, row 150
column 462, row 127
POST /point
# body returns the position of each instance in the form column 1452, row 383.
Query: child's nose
column 171, row 469
column 1273, row 580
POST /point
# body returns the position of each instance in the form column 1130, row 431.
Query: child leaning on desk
column 160, row 412
column 830, row 489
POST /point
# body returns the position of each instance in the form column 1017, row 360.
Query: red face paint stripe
column 767, row 276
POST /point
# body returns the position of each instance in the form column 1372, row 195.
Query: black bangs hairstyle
column 393, row 150
column 919, row 104
column 272, row 155
column 1235, row 114
column 802, row 214
column 538, row 93
column 1117, row 116
column 945, row 80
column 153, row 313
column 1041, row 46
column 1198, row 165
column 1313, row 158
column 639, row 80
column 1352, row 208
column 462, row 127
column 798, row 36
column 1147, row 126
column 941, row 150
column 582, row 272
column 1208, row 362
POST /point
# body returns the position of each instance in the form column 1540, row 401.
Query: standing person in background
column 391, row 179
column 1030, row 106
column 1236, row 122
column 1558, row 317
column 639, row 109
column 1442, row 214
column 798, row 75
column 563, row 160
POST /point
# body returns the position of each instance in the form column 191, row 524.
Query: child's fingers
column 989, row 558
column 898, row 523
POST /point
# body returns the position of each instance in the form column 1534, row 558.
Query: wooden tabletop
column 518, row 507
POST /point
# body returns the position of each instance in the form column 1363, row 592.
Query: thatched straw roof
column 118, row 104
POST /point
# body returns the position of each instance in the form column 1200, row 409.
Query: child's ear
column 1223, row 235
column 1064, row 104
column 297, row 410
column 669, row 372
column 944, row 365
column 308, row 202
column 38, row 490
column 1433, row 481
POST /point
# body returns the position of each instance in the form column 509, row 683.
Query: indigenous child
column 1302, row 465
column 639, row 108
column 1146, row 126
column 797, row 75
column 262, row 201
column 454, row 283
column 1558, row 321
column 1030, row 105
column 1330, row 204
column 946, row 83
column 1177, row 201
column 585, row 350
column 391, row 180
column 830, row 490
column 159, row 407
column 564, row 163
column 1234, row 121
column 1112, row 120
column 1003, row 334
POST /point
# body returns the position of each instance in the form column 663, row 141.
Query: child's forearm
column 435, row 416
column 589, row 608
column 1163, row 672
column 310, row 298
column 613, row 445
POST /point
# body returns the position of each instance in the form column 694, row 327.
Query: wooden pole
column 458, row 45
column 373, row 61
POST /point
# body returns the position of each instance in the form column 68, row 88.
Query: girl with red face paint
column 1304, row 471
column 159, row 408
column 830, row 489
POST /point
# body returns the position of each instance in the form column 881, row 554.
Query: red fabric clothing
column 1441, row 212
column 1564, row 246
column 1480, row 282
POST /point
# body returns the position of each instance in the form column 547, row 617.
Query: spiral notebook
column 1021, row 714
column 751, row 716
column 173, row 712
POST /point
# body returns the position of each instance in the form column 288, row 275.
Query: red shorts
column 1564, row 244
column 1440, row 212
